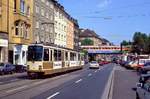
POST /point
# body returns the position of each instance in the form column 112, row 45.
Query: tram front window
column 35, row 53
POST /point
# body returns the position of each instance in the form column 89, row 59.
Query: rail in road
column 68, row 85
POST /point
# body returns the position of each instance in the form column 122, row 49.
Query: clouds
column 104, row 3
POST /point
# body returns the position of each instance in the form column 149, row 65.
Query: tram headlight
column 40, row 67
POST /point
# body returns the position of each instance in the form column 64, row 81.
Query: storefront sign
column 3, row 43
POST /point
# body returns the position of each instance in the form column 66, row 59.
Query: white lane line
column 55, row 94
column 78, row 81
column 95, row 71
column 15, row 89
column 90, row 74
column 13, row 80
column 40, row 82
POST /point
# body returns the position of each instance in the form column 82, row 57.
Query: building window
column 21, row 30
column 15, row 5
column 43, row 1
column 26, row 34
column 17, row 29
column 37, row 9
column 47, row 15
column 47, row 3
column 22, row 6
column 37, row 25
column 42, row 12
column 28, row 11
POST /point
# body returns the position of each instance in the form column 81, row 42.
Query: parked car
column 101, row 63
column 20, row 68
column 6, row 68
column 94, row 64
column 143, row 87
column 128, row 64
column 145, row 68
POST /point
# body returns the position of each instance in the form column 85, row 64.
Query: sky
column 115, row 20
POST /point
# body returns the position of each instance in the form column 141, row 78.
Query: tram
column 45, row 60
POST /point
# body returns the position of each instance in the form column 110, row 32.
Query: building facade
column 3, row 31
column 20, row 16
column 43, row 21
column 90, row 34
column 77, row 42
column 70, row 33
column 60, row 26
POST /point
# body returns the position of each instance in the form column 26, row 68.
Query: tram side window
column 57, row 55
column 66, row 56
column 72, row 56
column 46, row 54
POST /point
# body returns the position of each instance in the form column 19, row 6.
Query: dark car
column 6, row 68
column 143, row 87
column 20, row 68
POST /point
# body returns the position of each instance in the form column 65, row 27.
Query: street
column 82, row 84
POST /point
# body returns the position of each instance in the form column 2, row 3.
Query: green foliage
column 141, row 43
column 125, row 43
column 87, row 42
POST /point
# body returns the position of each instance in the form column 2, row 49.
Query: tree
column 140, row 43
column 87, row 42
column 125, row 43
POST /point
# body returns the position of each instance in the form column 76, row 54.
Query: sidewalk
column 124, row 81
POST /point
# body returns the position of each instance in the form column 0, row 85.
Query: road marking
column 90, row 74
column 78, row 81
column 95, row 71
column 55, row 94
column 106, row 92
column 19, row 88
column 13, row 80
column 40, row 82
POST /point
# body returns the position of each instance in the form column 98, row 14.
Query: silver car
column 143, row 87
column 94, row 65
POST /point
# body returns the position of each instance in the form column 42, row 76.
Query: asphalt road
column 82, row 84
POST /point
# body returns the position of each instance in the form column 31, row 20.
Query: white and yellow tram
column 44, row 60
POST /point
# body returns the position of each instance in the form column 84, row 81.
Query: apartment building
column 20, row 16
column 77, row 42
column 3, row 31
column 43, row 21
column 60, row 25
column 70, row 32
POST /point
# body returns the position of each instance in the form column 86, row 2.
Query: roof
column 88, row 33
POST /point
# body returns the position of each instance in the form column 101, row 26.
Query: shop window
column 0, row 54
column 16, row 59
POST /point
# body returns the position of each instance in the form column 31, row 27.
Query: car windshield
column 35, row 53
column 1, row 64
column 93, row 62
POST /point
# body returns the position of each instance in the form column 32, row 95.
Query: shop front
column 3, row 50
column 20, row 55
